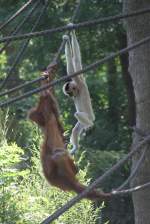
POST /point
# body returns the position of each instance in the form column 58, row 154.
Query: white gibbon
column 78, row 90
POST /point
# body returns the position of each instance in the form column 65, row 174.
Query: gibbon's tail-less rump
column 58, row 167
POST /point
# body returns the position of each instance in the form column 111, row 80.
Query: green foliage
column 98, row 162
column 3, row 61
column 10, row 176
column 28, row 134
column 11, row 157
column 109, row 99
column 3, row 127
column 25, row 196
column 39, row 200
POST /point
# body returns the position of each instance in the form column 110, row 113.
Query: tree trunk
column 139, row 68
column 112, row 95
column 124, row 61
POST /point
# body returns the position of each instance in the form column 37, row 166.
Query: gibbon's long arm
column 77, row 62
column 69, row 53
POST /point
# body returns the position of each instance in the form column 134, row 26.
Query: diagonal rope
column 16, row 14
column 87, row 68
column 23, row 48
column 134, row 172
column 18, row 27
column 139, row 162
column 55, row 59
column 75, row 26
column 97, row 182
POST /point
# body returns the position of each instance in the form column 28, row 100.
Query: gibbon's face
column 71, row 89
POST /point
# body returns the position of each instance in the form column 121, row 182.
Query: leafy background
column 25, row 196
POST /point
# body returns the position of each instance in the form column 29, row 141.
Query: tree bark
column 112, row 95
column 124, row 61
column 139, row 68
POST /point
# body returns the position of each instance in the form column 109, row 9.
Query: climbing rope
column 23, row 47
column 74, row 26
column 134, row 171
column 55, row 59
column 87, row 68
column 23, row 8
column 19, row 26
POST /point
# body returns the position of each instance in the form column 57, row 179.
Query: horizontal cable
column 18, row 27
column 96, row 183
column 74, row 26
column 68, row 77
column 23, row 47
column 75, row 14
column 22, row 86
column 16, row 14
column 55, row 59
column 131, row 190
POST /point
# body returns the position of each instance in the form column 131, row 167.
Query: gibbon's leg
column 68, row 54
column 83, row 123
column 82, row 117
column 74, row 139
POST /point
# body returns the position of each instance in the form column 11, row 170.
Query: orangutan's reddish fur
column 58, row 167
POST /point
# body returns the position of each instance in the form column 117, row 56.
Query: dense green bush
column 98, row 162
column 25, row 196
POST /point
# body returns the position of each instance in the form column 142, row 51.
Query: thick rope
column 16, row 14
column 76, row 11
column 134, row 172
column 131, row 190
column 139, row 162
column 18, row 27
column 74, row 26
column 23, row 47
column 68, row 77
column 96, row 183
column 22, row 86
